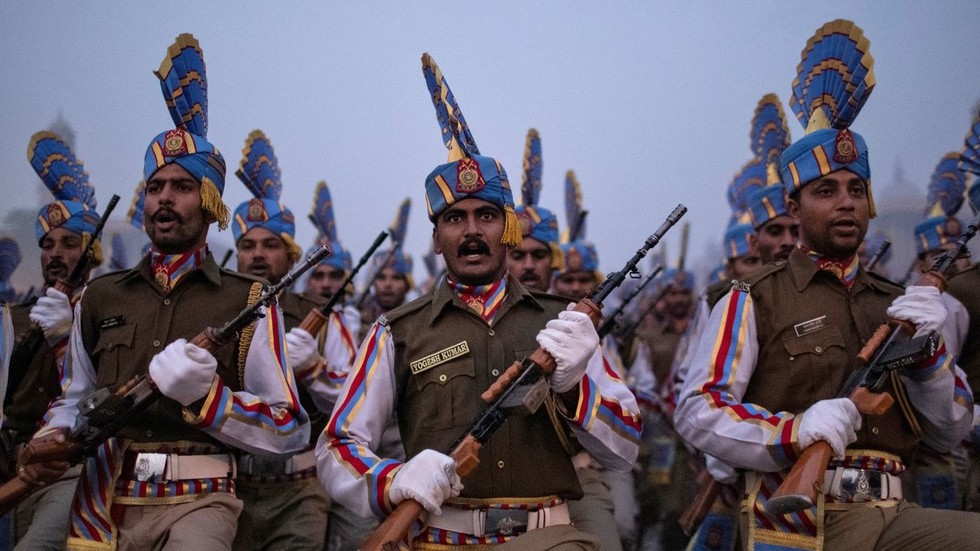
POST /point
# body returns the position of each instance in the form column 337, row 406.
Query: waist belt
column 259, row 466
column 167, row 467
column 850, row 485
column 489, row 521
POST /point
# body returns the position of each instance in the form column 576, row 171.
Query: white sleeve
column 77, row 376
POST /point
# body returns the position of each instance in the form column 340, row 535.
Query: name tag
column 811, row 326
column 109, row 323
column 440, row 357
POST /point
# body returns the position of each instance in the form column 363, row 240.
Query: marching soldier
column 168, row 476
column 423, row 366
column 63, row 230
column 284, row 505
column 780, row 347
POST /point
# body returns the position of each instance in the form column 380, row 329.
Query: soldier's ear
column 793, row 206
column 435, row 242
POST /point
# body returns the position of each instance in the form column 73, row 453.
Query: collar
column 444, row 296
column 804, row 269
column 144, row 269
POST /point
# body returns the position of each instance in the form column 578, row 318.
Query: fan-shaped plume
column 835, row 77
column 750, row 178
column 531, row 184
column 770, row 133
column 573, row 207
column 947, row 188
column 9, row 258
column 455, row 132
column 60, row 171
column 185, row 85
column 322, row 214
column 970, row 156
column 135, row 214
column 400, row 225
column 259, row 168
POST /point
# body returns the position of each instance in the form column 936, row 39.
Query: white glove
column 834, row 421
column 720, row 471
column 53, row 313
column 921, row 305
column 301, row 348
column 183, row 371
column 571, row 340
column 429, row 478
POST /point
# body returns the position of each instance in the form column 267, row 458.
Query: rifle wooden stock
column 708, row 490
column 394, row 528
column 805, row 479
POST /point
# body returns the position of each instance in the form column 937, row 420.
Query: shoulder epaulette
column 549, row 296
column 240, row 275
column 878, row 278
column 766, row 271
column 407, row 308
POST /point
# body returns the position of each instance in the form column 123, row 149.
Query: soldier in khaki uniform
column 167, row 478
column 779, row 347
column 63, row 229
column 284, row 505
column 423, row 366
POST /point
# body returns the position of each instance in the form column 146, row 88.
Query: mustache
column 473, row 245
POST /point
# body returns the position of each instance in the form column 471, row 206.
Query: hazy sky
column 649, row 102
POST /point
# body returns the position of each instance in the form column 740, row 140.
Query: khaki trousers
column 904, row 527
column 287, row 515
column 208, row 523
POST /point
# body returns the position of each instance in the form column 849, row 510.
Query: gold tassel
column 211, row 203
column 96, row 253
column 293, row 252
column 512, row 228
column 557, row 259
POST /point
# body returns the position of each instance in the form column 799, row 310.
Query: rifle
column 103, row 413
column 226, row 258
column 882, row 249
column 359, row 303
column 889, row 348
column 317, row 318
column 503, row 396
column 29, row 342
column 610, row 322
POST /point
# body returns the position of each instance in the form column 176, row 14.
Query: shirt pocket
column 450, row 389
column 816, row 358
column 115, row 345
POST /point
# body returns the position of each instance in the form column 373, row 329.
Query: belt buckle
column 505, row 522
column 258, row 466
column 150, row 467
column 859, row 485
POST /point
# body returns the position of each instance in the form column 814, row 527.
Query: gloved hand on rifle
column 720, row 471
column 835, row 421
column 183, row 371
column 429, row 478
column 571, row 340
column 302, row 349
column 53, row 313
column 40, row 474
column 923, row 306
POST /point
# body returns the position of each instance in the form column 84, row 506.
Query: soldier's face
column 678, row 302
column 467, row 235
column 833, row 212
column 172, row 214
column 531, row 263
column 575, row 285
column 777, row 238
column 60, row 251
column 262, row 253
column 390, row 289
column 325, row 281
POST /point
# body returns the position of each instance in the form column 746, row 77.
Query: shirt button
column 874, row 430
column 818, row 349
column 500, row 464
column 492, row 333
column 495, row 372
column 156, row 343
column 148, row 434
column 443, row 378
column 166, row 301
column 40, row 389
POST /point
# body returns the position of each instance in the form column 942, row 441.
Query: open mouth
column 473, row 249
column 165, row 219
